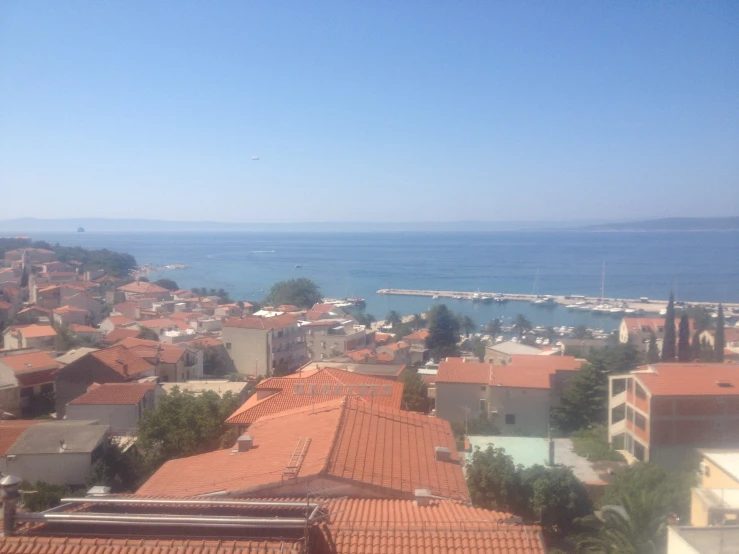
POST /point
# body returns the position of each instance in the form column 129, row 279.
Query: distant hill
column 672, row 224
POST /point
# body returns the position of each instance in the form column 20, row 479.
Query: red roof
column 115, row 393
column 646, row 324
column 255, row 322
column 11, row 430
column 84, row 329
column 34, row 308
column 523, row 371
column 142, row 287
column 120, row 320
column 149, row 349
column 323, row 308
column 349, row 443
column 457, row 370
column 120, row 360
column 34, row 361
column 120, row 333
column 731, row 334
column 279, row 394
column 422, row 334
column 692, row 379
column 77, row 545
column 67, row 309
column 34, row 331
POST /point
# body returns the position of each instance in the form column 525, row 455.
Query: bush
column 593, row 444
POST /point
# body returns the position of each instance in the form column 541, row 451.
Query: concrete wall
column 677, row 545
column 10, row 342
column 120, row 417
column 530, row 408
column 713, row 477
column 249, row 349
column 453, row 398
column 10, row 399
column 59, row 469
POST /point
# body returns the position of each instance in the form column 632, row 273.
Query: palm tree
column 521, row 325
column 393, row 319
column 637, row 526
column 467, row 324
column 418, row 321
column 494, row 328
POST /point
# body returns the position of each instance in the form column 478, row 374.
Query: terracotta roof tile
column 690, row 379
column 34, row 331
column 349, row 442
column 640, row 324
column 84, row 329
column 120, row 360
column 523, row 371
column 284, row 395
column 255, row 322
column 120, row 320
column 115, row 393
column 142, row 287
column 67, row 309
column 421, row 334
column 34, row 308
column 11, row 430
column 34, row 361
column 456, row 370
column 148, row 349
column 119, row 334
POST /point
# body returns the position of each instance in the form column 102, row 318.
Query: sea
column 697, row 266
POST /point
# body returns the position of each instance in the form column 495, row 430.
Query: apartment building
column 662, row 413
column 328, row 338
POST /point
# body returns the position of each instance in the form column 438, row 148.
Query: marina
column 614, row 306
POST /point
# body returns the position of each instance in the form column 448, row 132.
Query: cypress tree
column 719, row 341
column 652, row 351
column 683, row 346
column 668, row 343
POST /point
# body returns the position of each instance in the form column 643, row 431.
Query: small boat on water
column 616, row 311
column 663, row 311
column 629, row 311
column 298, row 266
column 80, row 229
column 435, row 297
column 544, row 302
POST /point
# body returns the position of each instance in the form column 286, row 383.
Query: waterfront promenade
column 652, row 307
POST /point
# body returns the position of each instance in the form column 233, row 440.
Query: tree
column 652, row 351
column 24, row 278
column 121, row 471
column 168, row 284
column 683, row 346
column 467, row 324
column 494, row 481
column 719, row 342
column 668, row 342
column 478, row 346
column 443, row 332
column 393, row 319
column 418, row 322
column 701, row 317
column 365, row 319
column 301, row 292
column 415, row 391
column 215, row 359
column 147, row 334
column 521, row 325
column 281, row 369
column 581, row 332
column 555, row 497
column 143, row 279
column 494, row 327
column 184, row 424
column 695, row 347
column 42, row 495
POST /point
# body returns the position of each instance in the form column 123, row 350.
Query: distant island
column 671, row 224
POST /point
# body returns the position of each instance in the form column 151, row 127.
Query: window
column 228, row 346
column 640, row 392
column 640, row 421
column 483, row 387
column 483, row 406
column 510, row 419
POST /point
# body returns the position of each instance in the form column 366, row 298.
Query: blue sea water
column 699, row 266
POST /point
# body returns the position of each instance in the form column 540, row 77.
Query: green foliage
column 494, row 481
column 443, row 332
column 701, row 317
column 684, row 353
column 143, row 279
column 581, row 332
column 652, row 351
column 484, row 425
column 478, row 346
column 222, row 294
column 121, row 471
column 281, row 369
column 672, row 488
column 184, row 424
column 467, row 324
column 593, row 444
column 418, row 322
column 113, row 263
column 522, row 325
column 393, row 319
column 301, row 292
column 415, row 391
column 719, row 342
column 215, row 360
column 147, row 334
column 668, row 342
column 364, row 319
column 42, row 495
column 494, row 327
column 585, row 402
column 65, row 339
column 168, row 284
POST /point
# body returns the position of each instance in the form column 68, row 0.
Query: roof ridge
column 341, row 420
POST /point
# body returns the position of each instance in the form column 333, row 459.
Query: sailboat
column 602, row 307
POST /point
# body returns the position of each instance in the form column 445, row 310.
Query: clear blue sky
column 372, row 110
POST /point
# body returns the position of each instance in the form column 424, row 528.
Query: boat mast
column 603, row 282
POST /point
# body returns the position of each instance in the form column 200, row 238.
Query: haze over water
column 702, row 266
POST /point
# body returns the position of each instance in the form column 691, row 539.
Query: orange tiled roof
column 421, row 334
column 5, row 305
column 120, row 333
column 148, row 349
column 287, row 308
column 84, row 329
column 361, row 526
column 361, row 355
column 255, row 322
column 524, row 371
column 204, row 342
column 323, row 308
column 731, row 334
column 76, row 545
column 34, row 361
column 120, row 360
column 142, row 287
column 115, row 393
column 34, row 308
column 34, row 331
column 120, row 320
column 693, row 379
column 456, row 370
column 635, row 324
column 67, row 309
column 349, row 444
column 400, row 345
column 11, row 430
column 285, row 398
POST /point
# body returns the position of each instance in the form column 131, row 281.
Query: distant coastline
column 669, row 224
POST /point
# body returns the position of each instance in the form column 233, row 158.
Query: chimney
column 442, row 454
column 11, row 494
column 422, row 497
column 244, row 443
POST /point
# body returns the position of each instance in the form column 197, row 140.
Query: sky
column 381, row 111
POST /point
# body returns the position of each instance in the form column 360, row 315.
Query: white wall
column 530, row 407
column 119, row 417
column 59, row 469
